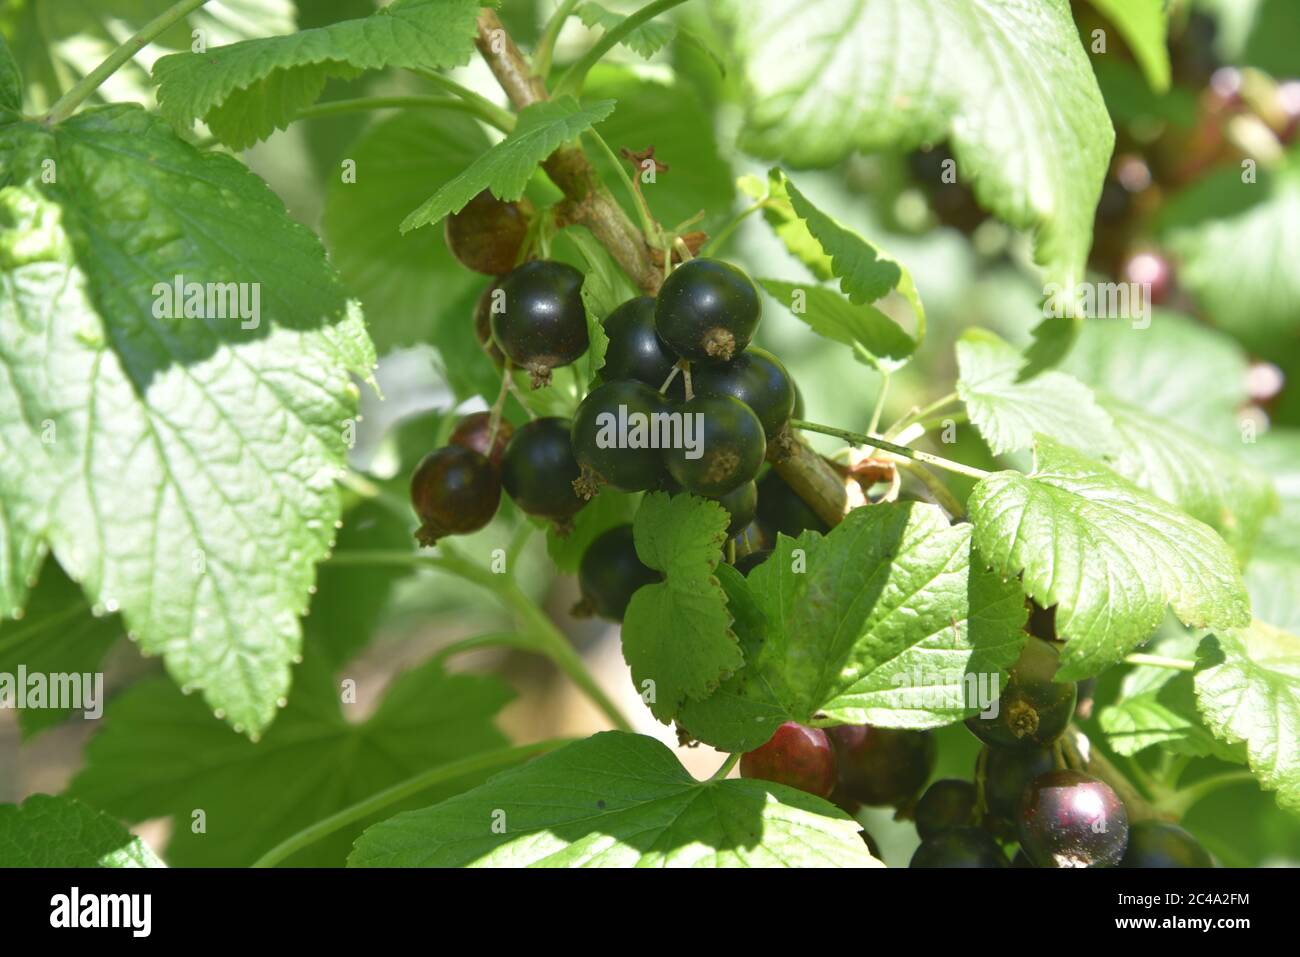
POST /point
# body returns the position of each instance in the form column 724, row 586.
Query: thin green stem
column 941, row 493
column 549, row 640
column 545, row 48
column 488, row 761
column 917, row 415
column 571, row 82
column 484, row 108
column 1160, row 661
column 727, row 765
column 867, row 441
column 366, row 103
column 879, row 410
column 65, row 105
column 725, row 232
column 493, row 639
column 649, row 226
column 1180, row 801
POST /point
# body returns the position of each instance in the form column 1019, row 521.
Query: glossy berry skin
column 1071, row 819
column 1033, row 709
column 488, row 234
column 1008, row 772
column 613, row 418
column 635, row 350
column 747, row 563
column 543, row 323
column 741, row 503
column 454, row 491
column 707, row 311
column 730, row 441
column 959, row 847
column 882, row 767
column 538, row 470
column 945, row 805
column 473, row 430
column 610, row 573
column 1161, row 844
column 795, row 756
column 758, row 379
column 781, row 510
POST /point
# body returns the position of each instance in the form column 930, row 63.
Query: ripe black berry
column 538, row 470
column 795, row 756
column 454, row 490
column 1033, row 709
column 1008, row 772
column 472, row 432
column 1161, row 844
column 487, row 235
column 707, row 311
column 780, row 509
column 740, row 503
column 758, row 379
column 1071, row 819
column 635, row 350
column 959, row 847
column 747, row 563
column 882, row 766
column 542, row 323
column 728, row 446
column 610, row 572
column 945, row 805
column 616, row 437
column 483, row 327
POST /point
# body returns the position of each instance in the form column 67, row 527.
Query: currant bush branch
column 868, row 441
column 550, row 34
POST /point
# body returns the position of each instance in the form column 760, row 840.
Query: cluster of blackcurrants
column 682, row 405
column 1021, row 792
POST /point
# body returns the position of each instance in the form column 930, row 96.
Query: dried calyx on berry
column 1034, row 708
column 707, row 311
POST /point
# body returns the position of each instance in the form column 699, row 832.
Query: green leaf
column 57, row 636
column 1248, row 689
column 779, row 214
column 646, row 40
column 1235, row 243
column 11, row 80
column 161, row 755
column 883, row 621
column 506, row 168
column 1166, row 718
column 605, row 287
column 617, row 800
column 182, row 470
column 1007, row 82
column 1008, row 412
column 877, row 341
column 247, row 90
column 1143, row 24
column 671, row 117
column 1108, row 555
column 410, row 285
column 49, row 831
column 677, row 635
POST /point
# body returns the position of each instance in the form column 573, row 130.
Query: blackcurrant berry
column 487, row 235
column 473, row 430
column 1008, row 772
column 1071, row 819
column 1161, row 844
column 707, row 311
column 727, row 448
column 959, row 847
column 454, row 491
column 635, row 350
column 747, row 563
column 740, row 503
column 780, row 509
column 483, row 327
column 538, row 470
column 872, row 847
column 795, row 756
column 1033, row 709
column 616, row 437
column 945, row 805
column 758, row 379
column 542, row 323
column 882, row 766
column 610, row 572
